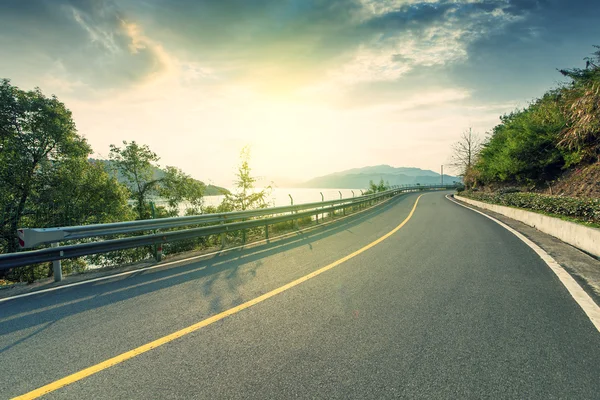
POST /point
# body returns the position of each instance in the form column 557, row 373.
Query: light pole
column 442, row 174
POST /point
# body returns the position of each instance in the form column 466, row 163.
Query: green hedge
column 587, row 210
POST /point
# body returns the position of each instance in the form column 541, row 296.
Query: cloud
column 520, row 62
column 290, row 48
column 87, row 41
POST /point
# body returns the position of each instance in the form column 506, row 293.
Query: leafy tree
column 78, row 192
column 136, row 163
column 581, row 107
column 45, row 175
column 37, row 133
column 523, row 148
column 374, row 188
column 246, row 197
column 176, row 187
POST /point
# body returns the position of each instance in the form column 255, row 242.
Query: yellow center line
column 77, row 376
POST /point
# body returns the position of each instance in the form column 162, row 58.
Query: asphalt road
column 450, row 306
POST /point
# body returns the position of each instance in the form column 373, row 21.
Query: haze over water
column 280, row 196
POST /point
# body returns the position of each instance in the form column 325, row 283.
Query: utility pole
column 442, row 174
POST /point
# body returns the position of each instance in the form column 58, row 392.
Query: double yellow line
column 77, row 376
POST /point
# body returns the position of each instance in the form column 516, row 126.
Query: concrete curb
column 582, row 237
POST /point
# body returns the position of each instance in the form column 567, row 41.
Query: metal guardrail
column 31, row 237
column 246, row 220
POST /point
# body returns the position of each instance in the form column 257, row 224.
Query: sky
column 312, row 86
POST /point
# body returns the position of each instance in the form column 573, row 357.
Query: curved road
column 450, row 306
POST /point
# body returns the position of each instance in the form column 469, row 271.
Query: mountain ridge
column 157, row 173
column 360, row 177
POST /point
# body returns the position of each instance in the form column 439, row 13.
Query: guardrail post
column 343, row 208
column 322, row 200
column 158, row 252
column 56, row 267
column 267, row 231
column 157, row 247
column 294, row 224
column 223, row 234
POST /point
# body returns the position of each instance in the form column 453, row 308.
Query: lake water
column 281, row 196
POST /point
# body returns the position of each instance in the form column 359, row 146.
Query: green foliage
column 507, row 190
column 45, row 175
column 581, row 107
column 79, row 193
column 136, row 163
column 375, row 188
column 282, row 227
column 36, row 133
column 523, row 148
column 560, row 130
column 586, row 210
column 245, row 197
column 177, row 187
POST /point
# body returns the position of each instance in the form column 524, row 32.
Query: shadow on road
column 50, row 307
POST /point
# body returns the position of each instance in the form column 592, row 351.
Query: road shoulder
column 584, row 268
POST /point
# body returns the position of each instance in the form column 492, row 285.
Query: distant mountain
column 357, row 178
column 211, row 190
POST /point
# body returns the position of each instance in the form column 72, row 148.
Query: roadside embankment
column 581, row 236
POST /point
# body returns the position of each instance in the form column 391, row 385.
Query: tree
column 465, row 151
column 246, row 197
column 176, row 187
column 45, row 175
column 37, row 133
column 581, row 107
column 374, row 188
column 137, row 163
column 523, row 148
column 78, row 192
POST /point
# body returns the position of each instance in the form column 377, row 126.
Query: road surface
column 451, row 305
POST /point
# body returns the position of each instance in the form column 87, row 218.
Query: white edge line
column 133, row 271
column 591, row 309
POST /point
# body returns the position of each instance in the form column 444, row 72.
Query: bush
column 509, row 190
column 587, row 210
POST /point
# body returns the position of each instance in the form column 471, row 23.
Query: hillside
column 360, row 177
column 211, row 190
column 551, row 146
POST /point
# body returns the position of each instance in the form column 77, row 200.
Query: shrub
column 587, row 210
column 509, row 190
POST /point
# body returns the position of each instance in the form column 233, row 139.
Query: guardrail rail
column 221, row 223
